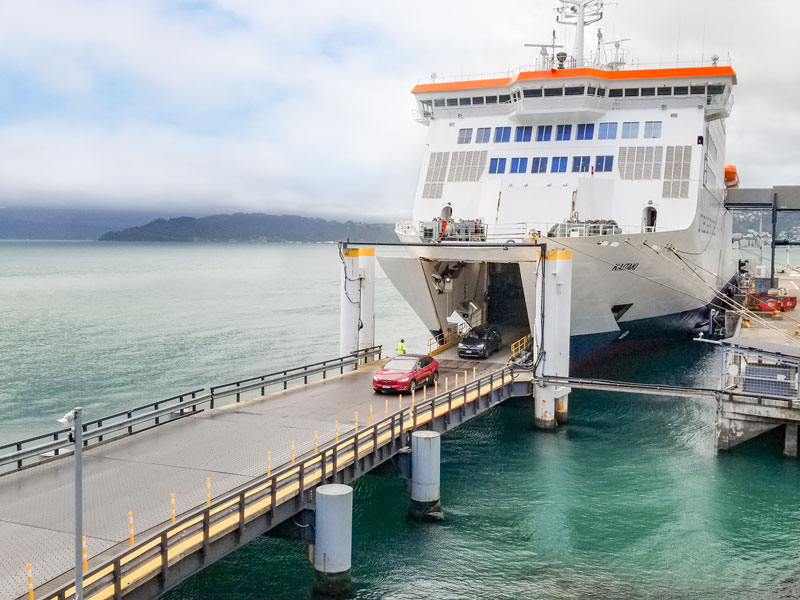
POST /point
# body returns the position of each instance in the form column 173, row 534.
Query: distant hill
column 253, row 228
column 40, row 223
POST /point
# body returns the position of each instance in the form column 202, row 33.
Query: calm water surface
column 629, row 500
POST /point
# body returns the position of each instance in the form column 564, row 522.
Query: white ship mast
column 580, row 13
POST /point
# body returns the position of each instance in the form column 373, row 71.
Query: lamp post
column 73, row 420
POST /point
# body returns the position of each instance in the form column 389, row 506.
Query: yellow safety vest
column 401, row 348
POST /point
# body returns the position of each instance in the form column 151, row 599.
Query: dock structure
column 233, row 467
column 759, row 379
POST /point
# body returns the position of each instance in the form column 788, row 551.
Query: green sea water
column 628, row 500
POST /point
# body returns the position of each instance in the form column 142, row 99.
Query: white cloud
column 305, row 106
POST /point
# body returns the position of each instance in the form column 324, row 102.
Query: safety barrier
column 518, row 347
column 33, row 450
column 263, row 498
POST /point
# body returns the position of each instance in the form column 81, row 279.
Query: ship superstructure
column 623, row 166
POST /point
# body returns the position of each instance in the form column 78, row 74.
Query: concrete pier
column 551, row 402
column 333, row 539
column 790, row 440
column 357, row 301
column 425, row 476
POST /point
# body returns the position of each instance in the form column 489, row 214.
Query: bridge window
column 559, row 164
column 615, row 93
column 591, row 91
column 563, row 133
column 648, row 91
column 505, row 98
column 574, row 91
column 580, row 164
column 543, row 133
column 539, row 164
column 452, row 102
column 519, row 165
column 631, row 92
column 477, row 100
column 438, row 102
column 604, row 164
column 550, row 92
column 601, row 92
column 608, row 131
column 502, row 134
column 491, row 99
column 630, row 130
column 681, row 90
column 699, row 90
column 497, row 165
column 652, row 129
column 537, row 93
column 585, row 131
column 483, row 135
column 523, row 134
column 465, row 101
column 665, row 91
column 464, row 136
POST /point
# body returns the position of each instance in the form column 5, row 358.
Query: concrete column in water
column 551, row 402
column 790, row 440
column 333, row 539
column 425, row 469
column 357, row 306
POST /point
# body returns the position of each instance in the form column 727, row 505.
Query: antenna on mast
column 547, row 61
column 580, row 13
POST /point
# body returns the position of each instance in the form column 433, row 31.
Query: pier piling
column 425, row 469
column 333, row 539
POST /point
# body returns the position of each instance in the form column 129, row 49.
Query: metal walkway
column 182, row 441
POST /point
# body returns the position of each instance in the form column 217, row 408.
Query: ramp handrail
column 197, row 528
column 520, row 345
column 123, row 423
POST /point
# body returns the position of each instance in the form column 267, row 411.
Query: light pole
column 73, row 420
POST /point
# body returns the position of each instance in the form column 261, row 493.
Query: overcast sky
column 304, row 107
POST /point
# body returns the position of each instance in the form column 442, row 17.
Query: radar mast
column 580, row 13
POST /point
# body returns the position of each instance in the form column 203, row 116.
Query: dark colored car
column 406, row 372
column 480, row 342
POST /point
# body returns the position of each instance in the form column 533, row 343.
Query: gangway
column 305, row 427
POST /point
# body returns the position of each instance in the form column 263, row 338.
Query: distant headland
column 252, row 228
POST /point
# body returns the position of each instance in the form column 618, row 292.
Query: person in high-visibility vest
column 401, row 347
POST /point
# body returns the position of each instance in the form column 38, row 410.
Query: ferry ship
column 623, row 165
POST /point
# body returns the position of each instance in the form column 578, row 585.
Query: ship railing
column 546, row 65
column 405, row 228
column 16, row 455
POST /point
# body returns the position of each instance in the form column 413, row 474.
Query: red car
column 406, row 372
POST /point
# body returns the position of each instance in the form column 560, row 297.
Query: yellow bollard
column 465, row 376
column 474, row 372
column 130, row 526
column 798, row 330
column 269, row 464
column 208, row 490
column 436, row 388
column 30, row 581
column 292, row 451
column 400, row 402
column 446, row 384
column 425, row 394
column 356, row 420
column 83, row 549
column 315, row 441
column 413, row 394
column 370, row 414
column 172, row 504
column 746, row 323
column 386, row 409
column 456, row 380
column 337, row 431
